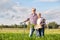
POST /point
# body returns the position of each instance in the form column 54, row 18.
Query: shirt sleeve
column 27, row 19
column 44, row 21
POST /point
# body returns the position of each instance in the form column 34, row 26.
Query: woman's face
column 39, row 15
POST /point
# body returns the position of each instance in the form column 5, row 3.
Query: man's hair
column 34, row 9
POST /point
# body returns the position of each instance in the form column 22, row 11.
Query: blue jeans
column 41, row 32
column 31, row 31
column 37, row 33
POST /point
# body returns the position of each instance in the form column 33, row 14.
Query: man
column 33, row 20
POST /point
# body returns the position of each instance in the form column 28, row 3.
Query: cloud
column 12, row 12
column 53, row 15
column 47, row 0
column 4, row 1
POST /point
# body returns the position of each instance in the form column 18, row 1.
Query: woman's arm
column 43, row 22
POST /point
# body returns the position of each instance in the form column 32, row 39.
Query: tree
column 52, row 25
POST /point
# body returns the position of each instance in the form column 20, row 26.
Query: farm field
column 21, row 34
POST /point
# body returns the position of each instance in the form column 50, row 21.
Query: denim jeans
column 31, row 31
column 41, row 32
column 37, row 33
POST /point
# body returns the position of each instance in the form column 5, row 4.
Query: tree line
column 51, row 25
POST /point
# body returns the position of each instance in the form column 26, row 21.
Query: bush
column 52, row 25
column 13, row 26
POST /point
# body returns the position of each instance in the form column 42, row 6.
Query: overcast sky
column 15, row 11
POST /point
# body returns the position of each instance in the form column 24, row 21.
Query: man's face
column 33, row 11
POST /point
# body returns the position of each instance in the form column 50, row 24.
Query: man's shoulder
column 34, row 14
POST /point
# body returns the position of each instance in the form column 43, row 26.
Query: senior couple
column 36, row 23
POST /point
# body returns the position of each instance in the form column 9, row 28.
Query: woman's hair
column 39, row 14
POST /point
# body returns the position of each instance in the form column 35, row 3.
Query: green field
column 18, row 34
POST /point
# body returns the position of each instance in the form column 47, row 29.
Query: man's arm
column 27, row 20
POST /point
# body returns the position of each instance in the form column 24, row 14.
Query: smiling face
column 39, row 15
column 33, row 10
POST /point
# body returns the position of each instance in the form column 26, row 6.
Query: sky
column 16, row 11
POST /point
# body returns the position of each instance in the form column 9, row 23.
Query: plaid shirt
column 33, row 18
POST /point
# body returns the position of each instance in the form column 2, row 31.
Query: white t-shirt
column 39, row 20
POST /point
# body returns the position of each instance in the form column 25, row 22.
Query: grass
column 18, row 34
column 18, row 30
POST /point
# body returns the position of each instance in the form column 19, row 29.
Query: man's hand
column 26, row 20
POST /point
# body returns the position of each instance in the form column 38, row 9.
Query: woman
column 39, row 26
